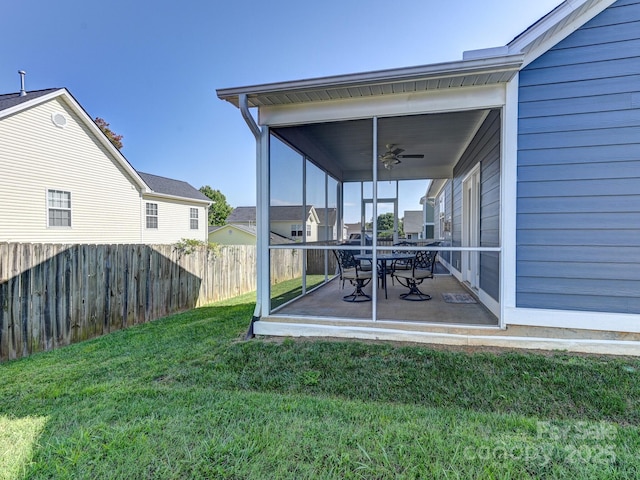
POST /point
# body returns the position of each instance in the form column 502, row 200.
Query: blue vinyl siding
column 578, row 210
column 484, row 148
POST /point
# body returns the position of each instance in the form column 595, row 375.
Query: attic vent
column 58, row 119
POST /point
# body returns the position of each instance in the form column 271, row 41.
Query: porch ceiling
column 345, row 148
column 342, row 144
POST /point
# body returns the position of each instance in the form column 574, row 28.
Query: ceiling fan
column 393, row 155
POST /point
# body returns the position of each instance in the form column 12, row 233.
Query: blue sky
column 151, row 69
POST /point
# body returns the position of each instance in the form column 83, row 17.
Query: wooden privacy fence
column 54, row 295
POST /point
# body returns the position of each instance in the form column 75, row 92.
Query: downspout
column 253, row 126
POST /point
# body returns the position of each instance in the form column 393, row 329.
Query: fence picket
column 53, row 295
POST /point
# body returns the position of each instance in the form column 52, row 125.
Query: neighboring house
column 327, row 223
column 233, row 234
column 180, row 210
column 352, row 228
column 413, row 225
column 428, row 215
column 289, row 221
column 63, row 181
column 537, row 145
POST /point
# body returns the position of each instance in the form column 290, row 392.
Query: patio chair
column 421, row 268
column 400, row 264
column 351, row 270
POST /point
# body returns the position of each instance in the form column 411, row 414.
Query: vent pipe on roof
column 23, row 92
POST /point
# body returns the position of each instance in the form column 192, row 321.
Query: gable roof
column 172, row 188
column 332, row 216
column 279, row 213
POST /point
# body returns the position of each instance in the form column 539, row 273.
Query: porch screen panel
column 351, row 204
column 286, row 210
column 315, row 194
column 286, row 221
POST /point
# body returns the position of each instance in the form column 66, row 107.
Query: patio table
column 382, row 260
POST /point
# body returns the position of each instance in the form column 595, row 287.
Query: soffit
column 467, row 73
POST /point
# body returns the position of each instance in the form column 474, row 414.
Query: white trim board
column 605, row 347
column 538, row 317
column 437, row 101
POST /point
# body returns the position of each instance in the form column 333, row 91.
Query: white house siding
column 284, row 228
column 173, row 222
column 232, row 236
column 578, row 217
column 36, row 155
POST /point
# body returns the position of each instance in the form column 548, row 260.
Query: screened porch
column 354, row 185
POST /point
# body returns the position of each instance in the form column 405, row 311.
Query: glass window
column 296, row 230
column 152, row 215
column 193, row 217
column 59, row 208
column 286, row 203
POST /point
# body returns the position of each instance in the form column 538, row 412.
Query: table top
column 385, row 256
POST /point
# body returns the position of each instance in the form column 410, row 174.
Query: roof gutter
column 253, row 126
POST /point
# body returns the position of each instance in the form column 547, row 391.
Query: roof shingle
column 169, row 186
column 9, row 100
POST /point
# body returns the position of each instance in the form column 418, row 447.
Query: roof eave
column 32, row 102
column 500, row 63
column 176, row 197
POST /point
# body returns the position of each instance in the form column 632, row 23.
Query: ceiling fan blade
column 397, row 151
column 411, row 156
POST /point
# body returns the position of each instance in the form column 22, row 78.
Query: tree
column 385, row 225
column 385, row 222
column 115, row 138
column 219, row 209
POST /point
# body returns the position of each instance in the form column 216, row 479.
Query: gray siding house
column 533, row 152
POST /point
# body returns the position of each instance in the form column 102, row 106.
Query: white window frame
column 51, row 208
column 193, row 218
column 149, row 216
column 441, row 215
column 296, row 230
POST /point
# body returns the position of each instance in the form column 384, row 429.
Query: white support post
column 374, row 240
column 304, row 224
column 263, row 220
column 508, row 200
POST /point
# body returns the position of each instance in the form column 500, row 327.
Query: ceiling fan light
column 390, row 162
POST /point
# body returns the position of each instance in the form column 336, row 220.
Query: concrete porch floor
column 323, row 313
column 327, row 302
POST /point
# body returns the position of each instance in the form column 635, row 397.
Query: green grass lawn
column 185, row 397
column 282, row 292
